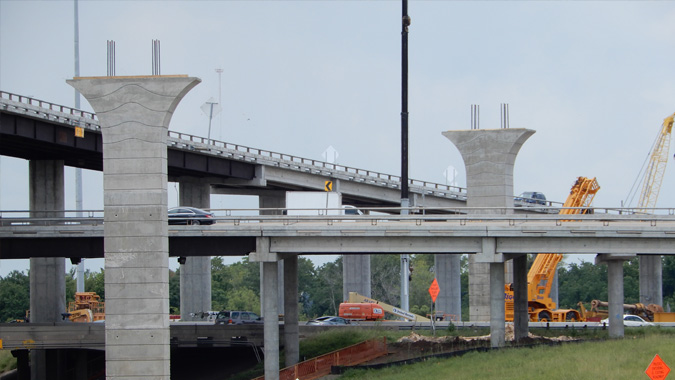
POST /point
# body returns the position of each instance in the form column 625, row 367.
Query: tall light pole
column 78, row 171
column 405, row 201
column 220, row 101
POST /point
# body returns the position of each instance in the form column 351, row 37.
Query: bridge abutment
column 134, row 113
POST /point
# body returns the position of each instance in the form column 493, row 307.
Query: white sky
column 593, row 78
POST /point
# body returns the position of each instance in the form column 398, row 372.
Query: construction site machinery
column 358, row 298
column 87, row 307
column 600, row 310
column 652, row 177
column 540, row 306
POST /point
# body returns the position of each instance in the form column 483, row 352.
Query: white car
column 631, row 321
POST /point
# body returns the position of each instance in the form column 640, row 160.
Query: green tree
column 385, row 278
column 14, row 296
column 326, row 295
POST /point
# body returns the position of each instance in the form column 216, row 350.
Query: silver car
column 328, row 320
column 631, row 321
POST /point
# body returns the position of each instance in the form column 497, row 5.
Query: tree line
column 237, row 286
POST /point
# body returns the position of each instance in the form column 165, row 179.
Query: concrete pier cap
column 489, row 156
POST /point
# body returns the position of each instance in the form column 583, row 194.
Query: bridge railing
column 235, row 217
column 38, row 107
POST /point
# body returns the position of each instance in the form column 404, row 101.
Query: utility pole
column 405, row 201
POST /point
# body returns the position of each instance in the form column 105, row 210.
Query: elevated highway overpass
column 73, row 237
column 33, row 129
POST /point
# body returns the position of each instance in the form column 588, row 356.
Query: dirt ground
column 415, row 345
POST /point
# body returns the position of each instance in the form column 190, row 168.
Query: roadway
column 23, row 237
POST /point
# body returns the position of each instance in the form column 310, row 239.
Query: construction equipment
column 656, row 168
column 599, row 310
column 87, row 307
column 358, row 298
column 540, row 306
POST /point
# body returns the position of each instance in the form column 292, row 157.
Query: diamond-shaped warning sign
column 657, row 370
column 434, row 290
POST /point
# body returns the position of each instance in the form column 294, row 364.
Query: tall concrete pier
column 489, row 157
column 134, row 113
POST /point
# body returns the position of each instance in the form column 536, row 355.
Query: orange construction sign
column 657, row 369
column 434, row 290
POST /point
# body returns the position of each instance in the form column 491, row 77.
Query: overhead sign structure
column 328, row 186
column 657, row 369
column 434, row 290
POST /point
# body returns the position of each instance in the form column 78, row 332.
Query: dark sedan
column 190, row 215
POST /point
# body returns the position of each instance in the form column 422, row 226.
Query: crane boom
column 540, row 276
column 653, row 177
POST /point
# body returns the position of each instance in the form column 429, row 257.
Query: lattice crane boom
column 658, row 158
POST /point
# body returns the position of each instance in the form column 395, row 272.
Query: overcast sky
column 594, row 79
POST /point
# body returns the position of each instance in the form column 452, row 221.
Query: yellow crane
column 656, row 167
column 540, row 306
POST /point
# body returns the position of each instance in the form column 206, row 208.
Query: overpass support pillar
column 520, row 315
column 489, row 157
column 651, row 279
column 47, row 275
column 134, row 113
column 291, row 328
column 195, row 274
column 448, row 275
column 614, row 291
column 269, row 273
column 355, row 275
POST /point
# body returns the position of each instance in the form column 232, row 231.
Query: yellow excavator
column 540, row 306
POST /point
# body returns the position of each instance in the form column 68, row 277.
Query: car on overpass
column 530, row 198
column 228, row 317
column 190, row 216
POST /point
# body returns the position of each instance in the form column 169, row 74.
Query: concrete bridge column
column 651, row 279
column 489, row 157
column 134, row 113
column 355, row 275
column 269, row 273
column 291, row 328
column 520, row 315
column 614, row 291
column 273, row 200
column 448, row 275
column 47, row 275
column 195, row 274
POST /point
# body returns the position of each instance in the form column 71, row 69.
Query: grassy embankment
column 626, row 358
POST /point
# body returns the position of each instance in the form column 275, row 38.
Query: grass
column 7, row 361
column 626, row 358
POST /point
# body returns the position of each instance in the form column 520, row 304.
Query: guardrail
column 418, row 215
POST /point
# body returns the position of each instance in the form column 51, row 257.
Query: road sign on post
column 434, row 290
